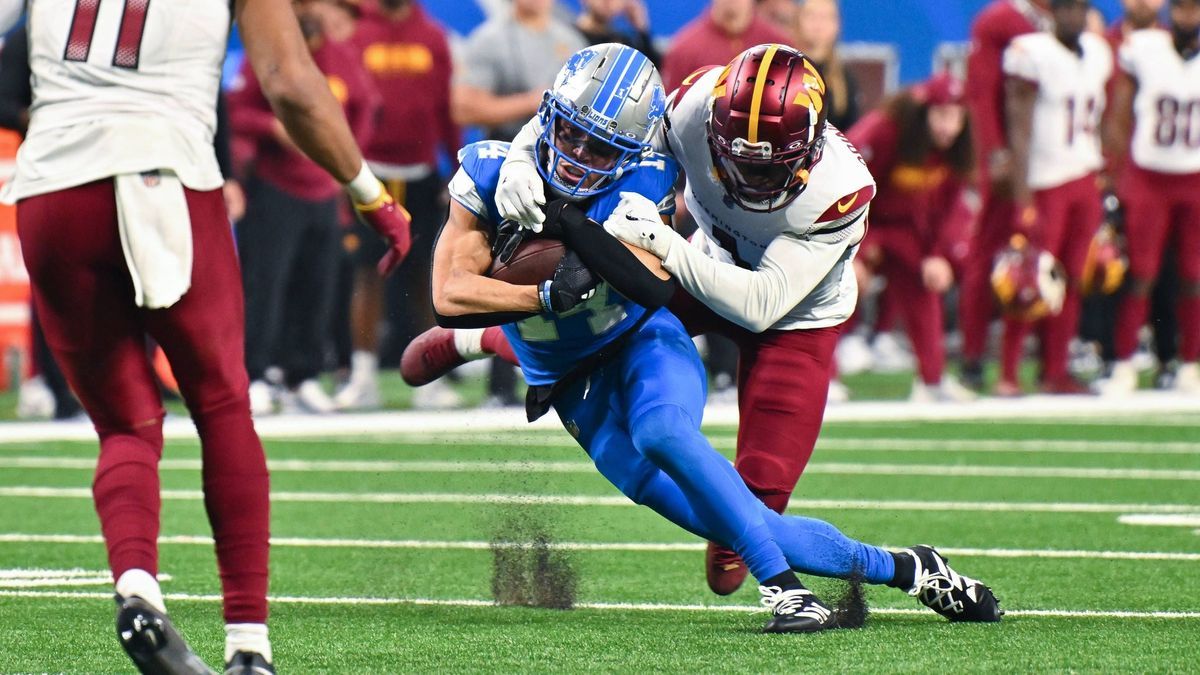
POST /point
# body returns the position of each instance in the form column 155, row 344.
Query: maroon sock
column 127, row 500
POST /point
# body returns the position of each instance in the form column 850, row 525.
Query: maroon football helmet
column 1028, row 281
column 766, row 127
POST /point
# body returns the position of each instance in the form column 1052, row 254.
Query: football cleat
column 724, row 569
column 152, row 642
column 795, row 610
column 947, row 592
column 436, row 352
column 249, row 663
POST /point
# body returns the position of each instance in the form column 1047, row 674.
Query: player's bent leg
column 438, row 351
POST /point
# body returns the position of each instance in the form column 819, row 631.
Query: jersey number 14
column 129, row 37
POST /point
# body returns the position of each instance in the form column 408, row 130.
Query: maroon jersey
column 702, row 43
column 993, row 30
column 927, row 198
column 283, row 166
column 409, row 61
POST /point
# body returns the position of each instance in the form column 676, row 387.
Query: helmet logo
column 719, row 87
column 813, row 94
column 658, row 104
column 576, row 63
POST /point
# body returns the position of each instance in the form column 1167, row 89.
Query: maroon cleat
column 435, row 352
column 724, row 569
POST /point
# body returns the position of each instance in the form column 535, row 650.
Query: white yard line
column 521, row 466
column 1163, row 520
column 618, row 606
column 617, row 500
column 635, row 547
column 1134, row 408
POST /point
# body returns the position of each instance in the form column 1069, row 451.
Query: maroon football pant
column 84, row 298
column 783, row 383
column 1068, row 217
column 976, row 303
column 1161, row 211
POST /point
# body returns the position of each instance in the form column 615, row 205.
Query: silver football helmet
column 598, row 119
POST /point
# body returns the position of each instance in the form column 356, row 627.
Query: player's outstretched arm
column 301, row 99
column 757, row 299
column 1021, row 98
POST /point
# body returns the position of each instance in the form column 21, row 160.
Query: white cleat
column 949, row 390
column 313, row 399
column 890, row 355
column 838, row 392
column 854, row 355
column 359, row 394
column 1122, row 382
column 437, row 395
column 262, row 398
column 35, row 400
column 1187, row 379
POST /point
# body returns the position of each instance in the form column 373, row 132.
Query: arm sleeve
column 790, row 269
column 221, row 139
column 15, row 93
column 609, row 258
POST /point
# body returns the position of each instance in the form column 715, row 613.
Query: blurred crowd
column 321, row 324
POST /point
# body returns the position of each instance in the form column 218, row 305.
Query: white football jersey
column 836, row 199
column 121, row 86
column 1065, row 143
column 1166, row 110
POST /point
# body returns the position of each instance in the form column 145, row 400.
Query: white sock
column 469, row 343
column 142, row 584
column 247, row 637
column 363, row 365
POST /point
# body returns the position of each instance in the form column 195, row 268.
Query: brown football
column 533, row 262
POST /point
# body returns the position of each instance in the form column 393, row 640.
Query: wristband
column 365, row 188
column 544, row 296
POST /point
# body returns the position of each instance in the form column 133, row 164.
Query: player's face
column 584, row 148
column 1070, row 19
column 946, row 123
column 1185, row 16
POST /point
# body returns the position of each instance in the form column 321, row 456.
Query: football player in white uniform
column 1158, row 90
column 124, row 231
column 781, row 198
column 1056, row 96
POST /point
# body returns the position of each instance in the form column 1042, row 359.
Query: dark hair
column 911, row 117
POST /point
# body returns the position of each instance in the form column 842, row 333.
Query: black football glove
column 558, row 213
column 571, row 284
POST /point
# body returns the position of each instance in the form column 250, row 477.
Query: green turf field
column 382, row 561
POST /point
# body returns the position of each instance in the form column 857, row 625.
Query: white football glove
column 520, row 195
column 636, row 221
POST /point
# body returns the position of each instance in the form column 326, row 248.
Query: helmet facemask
column 577, row 156
column 759, row 179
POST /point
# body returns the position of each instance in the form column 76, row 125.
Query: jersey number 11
column 129, row 38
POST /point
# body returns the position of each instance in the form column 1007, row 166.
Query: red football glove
column 392, row 222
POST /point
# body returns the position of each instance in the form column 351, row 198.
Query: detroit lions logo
column 658, row 104
column 575, row 64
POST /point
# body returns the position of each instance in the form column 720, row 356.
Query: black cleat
column 971, row 375
column 795, row 610
column 152, row 642
column 947, row 592
column 249, row 663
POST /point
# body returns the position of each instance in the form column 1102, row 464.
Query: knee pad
column 665, row 434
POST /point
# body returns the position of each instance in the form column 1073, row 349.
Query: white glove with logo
column 520, row 195
column 636, row 221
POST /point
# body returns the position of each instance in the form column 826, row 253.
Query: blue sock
column 723, row 508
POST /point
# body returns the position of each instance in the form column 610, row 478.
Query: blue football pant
column 639, row 418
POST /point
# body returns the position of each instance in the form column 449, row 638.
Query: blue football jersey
column 549, row 344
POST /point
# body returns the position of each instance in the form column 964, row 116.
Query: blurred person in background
column 918, row 148
column 288, row 242
column 407, row 55
column 991, row 33
column 505, row 67
column 818, row 29
column 595, row 23
column 724, row 30
column 1157, row 94
column 1055, row 86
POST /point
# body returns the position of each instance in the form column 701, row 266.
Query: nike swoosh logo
column 844, row 207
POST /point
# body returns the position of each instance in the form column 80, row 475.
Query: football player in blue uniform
column 595, row 344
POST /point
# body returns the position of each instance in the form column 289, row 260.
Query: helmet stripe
column 610, row 82
column 760, row 83
column 621, row 94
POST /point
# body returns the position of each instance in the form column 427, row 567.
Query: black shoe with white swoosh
column 152, row 642
column 954, row 596
column 795, row 610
